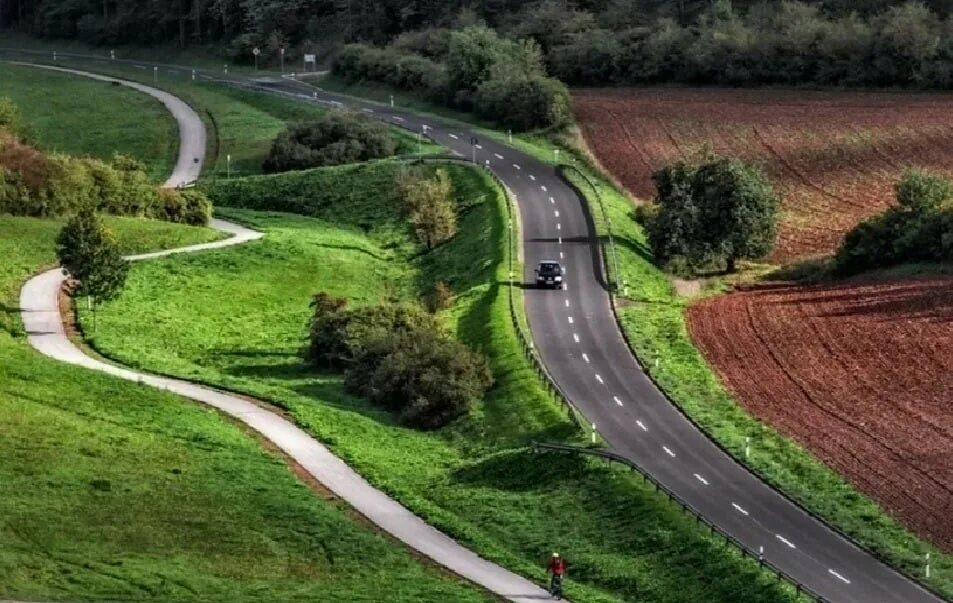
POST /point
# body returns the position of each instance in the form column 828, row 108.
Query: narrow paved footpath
column 44, row 325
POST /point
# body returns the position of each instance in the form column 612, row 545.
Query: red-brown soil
column 860, row 374
column 833, row 156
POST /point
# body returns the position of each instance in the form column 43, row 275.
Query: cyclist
column 557, row 567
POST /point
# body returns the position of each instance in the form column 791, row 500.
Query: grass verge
column 78, row 116
column 476, row 480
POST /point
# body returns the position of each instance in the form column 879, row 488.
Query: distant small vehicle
column 550, row 274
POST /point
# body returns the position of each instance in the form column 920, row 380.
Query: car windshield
column 549, row 268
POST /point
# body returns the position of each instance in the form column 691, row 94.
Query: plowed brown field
column 833, row 156
column 860, row 374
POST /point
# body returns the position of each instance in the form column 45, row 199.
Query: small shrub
column 919, row 228
column 337, row 137
column 441, row 297
column 398, row 357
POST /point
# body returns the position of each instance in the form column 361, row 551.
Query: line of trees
column 473, row 69
column 878, row 42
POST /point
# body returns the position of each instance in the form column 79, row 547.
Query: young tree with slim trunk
column 89, row 254
column 430, row 207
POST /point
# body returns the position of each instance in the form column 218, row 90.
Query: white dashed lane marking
column 454, row 136
column 561, row 255
column 559, row 226
column 517, row 167
column 617, row 400
column 543, row 187
column 739, row 509
column 575, row 336
column 532, row 177
column 551, row 200
column 586, row 358
column 570, row 320
column 785, row 541
column 641, row 425
column 498, row 156
column 567, row 303
column 557, row 213
column 701, row 479
column 479, row 146
column 668, row 451
column 838, row 576
column 599, row 378
column 397, row 118
column 560, row 240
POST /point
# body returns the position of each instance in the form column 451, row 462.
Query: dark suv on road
column 550, row 274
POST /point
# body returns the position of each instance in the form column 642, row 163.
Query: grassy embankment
column 652, row 315
column 59, row 107
column 474, row 479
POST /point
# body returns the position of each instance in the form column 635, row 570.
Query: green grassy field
column 240, row 123
column 113, row 491
column 476, row 479
column 79, row 116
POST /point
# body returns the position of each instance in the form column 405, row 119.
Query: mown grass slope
column 79, row 116
column 238, row 318
column 113, row 491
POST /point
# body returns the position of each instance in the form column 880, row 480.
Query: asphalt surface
column 578, row 339
column 39, row 307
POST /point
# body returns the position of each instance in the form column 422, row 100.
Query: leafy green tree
column 430, row 207
column 89, row 254
column 723, row 210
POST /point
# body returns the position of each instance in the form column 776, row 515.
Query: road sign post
column 281, row 52
column 473, row 145
column 313, row 59
column 256, row 52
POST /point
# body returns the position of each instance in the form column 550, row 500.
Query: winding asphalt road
column 578, row 339
column 39, row 306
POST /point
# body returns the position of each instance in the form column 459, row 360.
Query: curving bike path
column 39, row 307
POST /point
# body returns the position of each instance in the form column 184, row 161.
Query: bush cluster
column 335, row 138
column 714, row 213
column 398, row 357
column 918, row 229
column 35, row 184
column 473, row 69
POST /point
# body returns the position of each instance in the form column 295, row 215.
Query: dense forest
column 842, row 42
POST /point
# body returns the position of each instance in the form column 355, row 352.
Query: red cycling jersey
column 557, row 566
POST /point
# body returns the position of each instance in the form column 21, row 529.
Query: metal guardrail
column 782, row 576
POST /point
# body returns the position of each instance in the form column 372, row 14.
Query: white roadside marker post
column 391, row 101
column 155, row 74
column 228, row 165
column 593, row 433
column 747, row 447
column 928, row 567
column 193, row 75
